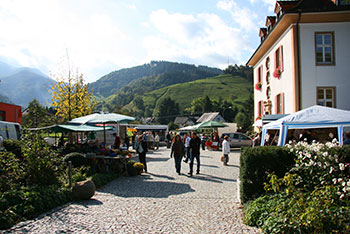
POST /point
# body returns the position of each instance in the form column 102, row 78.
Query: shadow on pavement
column 211, row 178
column 91, row 202
column 154, row 159
column 142, row 187
column 159, row 176
column 204, row 165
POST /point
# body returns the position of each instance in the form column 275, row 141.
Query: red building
column 10, row 113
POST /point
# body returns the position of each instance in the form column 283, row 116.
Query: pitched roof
column 181, row 120
column 208, row 117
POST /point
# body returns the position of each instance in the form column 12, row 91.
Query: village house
column 184, row 121
column 212, row 116
column 303, row 57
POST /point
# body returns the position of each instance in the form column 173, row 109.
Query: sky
column 96, row 37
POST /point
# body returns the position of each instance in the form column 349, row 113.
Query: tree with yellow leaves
column 71, row 98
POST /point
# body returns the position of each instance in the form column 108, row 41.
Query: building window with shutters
column 324, row 48
column 326, row 96
column 279, row 103
column 278, row 62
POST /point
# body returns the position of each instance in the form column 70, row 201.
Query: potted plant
column 277, row 72
column 139, row 167
column 258, row 86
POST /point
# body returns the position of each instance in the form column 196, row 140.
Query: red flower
column 277, row 73
column 258, row 86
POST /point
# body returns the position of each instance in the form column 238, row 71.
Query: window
column 260, row 108
column 324, row 48
column 279, row 59
column 326, row 96
column 279, row 103
column 259, row 75
column 2, row 115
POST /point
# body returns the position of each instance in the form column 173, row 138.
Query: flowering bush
column 258, row 86
column 313, row 197
column 322, row 164
column 277, row 73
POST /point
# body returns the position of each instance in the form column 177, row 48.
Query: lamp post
column 223, row 112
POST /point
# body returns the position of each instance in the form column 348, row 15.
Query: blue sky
column 106, row 35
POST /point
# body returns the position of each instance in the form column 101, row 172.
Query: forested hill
column 153, row 75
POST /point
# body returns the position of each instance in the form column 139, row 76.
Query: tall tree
column 207, row 106
column 166, row 110
column 37, row 116
column 71, row 98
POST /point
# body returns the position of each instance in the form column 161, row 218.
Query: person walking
column 156, row 140
column 142, row 150
column 178, row 150
column 225, row 149
column 168, row 140
column 187, row 140
column 195, row 144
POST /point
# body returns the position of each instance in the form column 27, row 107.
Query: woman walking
column 178, row 150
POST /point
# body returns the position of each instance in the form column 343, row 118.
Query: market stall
column 315, row 118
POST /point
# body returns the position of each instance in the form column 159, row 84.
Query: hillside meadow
column 228, row 87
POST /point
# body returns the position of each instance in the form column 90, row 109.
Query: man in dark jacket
column 195, row 144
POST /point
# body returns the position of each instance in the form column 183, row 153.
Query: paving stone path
column 160, row 201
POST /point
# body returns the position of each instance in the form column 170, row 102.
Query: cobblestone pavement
column 160, row 201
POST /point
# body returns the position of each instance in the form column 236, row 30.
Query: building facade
column 10, row 113
column 303, row 57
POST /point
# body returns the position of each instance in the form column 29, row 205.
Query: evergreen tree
column 207, row 106
column 167, row 110
column 37, row 116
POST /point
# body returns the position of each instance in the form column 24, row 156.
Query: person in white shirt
column 187, row 140
column 225, row 149
column 156, row 139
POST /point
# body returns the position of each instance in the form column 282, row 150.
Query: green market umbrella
column 212, row 124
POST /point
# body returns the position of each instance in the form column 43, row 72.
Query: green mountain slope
column 234, row 89
column 149, row 75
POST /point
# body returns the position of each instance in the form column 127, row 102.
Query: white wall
column 313, row 76
column 284, row 82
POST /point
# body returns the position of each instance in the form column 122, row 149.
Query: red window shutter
column 262, row 108
column 275, row 60
column 276, row 105
column 281, row 58
column 282, row 103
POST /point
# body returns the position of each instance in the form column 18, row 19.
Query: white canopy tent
column 312, row 117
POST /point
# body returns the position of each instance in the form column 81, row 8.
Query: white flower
column 330, row 172
column 334, row 180
column 343, row 183
column 342, row 196
column 325, row 154
column 340, row 180
column 342, row 166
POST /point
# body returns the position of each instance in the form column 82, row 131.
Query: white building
column 303, row 58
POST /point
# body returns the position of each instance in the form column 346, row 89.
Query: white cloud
column 244, row 17
column 38, row 32
column 201, row 38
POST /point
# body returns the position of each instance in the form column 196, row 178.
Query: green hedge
column 20, row 205
column 255, row 165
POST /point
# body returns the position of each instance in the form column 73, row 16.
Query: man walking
column 225, row 149
column 187, row 140
column 195, row 144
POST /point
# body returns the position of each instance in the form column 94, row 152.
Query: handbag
column 222, row 158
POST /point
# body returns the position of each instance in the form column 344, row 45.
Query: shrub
column 101, row 179
column 13, row 146
column 77, row 159
column 255, row 165
column 313, row 197
column 27, row 203
column 42, row 164
column 11, row 171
